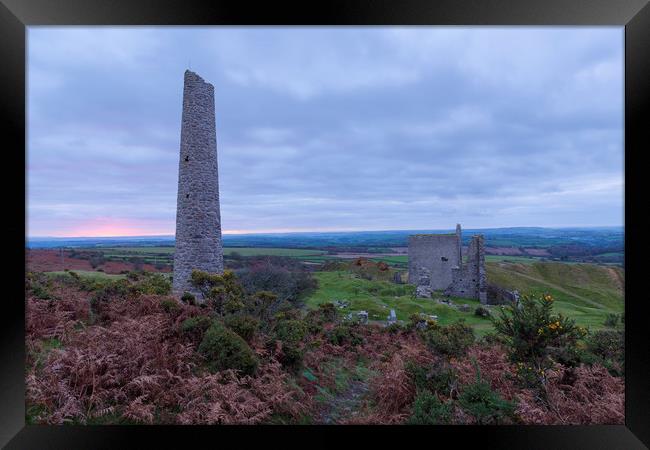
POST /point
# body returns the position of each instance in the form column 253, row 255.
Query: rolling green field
column 244, row 251
column 89, row 274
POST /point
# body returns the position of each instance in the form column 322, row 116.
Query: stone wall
column 431, row 258
column 198, row 217
column 497, row 295
column 470, row 280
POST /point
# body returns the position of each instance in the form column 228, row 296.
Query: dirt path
column 561, row 289
column 344, row 405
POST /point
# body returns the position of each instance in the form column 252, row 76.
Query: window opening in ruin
column 187, row 195
column 444, row 259
column 187, row 158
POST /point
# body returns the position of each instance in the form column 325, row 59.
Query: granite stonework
column 436, row 263
column 198, row 217
column 469, row 280
column 431, row 258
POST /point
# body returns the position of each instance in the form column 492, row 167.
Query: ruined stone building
column 435, row 262
column 198, row 217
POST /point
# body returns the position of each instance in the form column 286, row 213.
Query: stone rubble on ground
column 392, row 317
column 363, row 317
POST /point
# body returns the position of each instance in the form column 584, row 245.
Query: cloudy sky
column 329, row 128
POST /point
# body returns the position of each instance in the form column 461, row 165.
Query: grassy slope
column 379, row 297
column 585, row 292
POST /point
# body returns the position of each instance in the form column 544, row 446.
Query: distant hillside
column 559, row 240
column 584, row 291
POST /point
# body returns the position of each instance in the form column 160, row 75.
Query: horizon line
column 246, row 232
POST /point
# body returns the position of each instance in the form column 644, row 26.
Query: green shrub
column 394, row 328
column 429, row 410
column 261, row 304
column 222, row 292
column 224, row 349
column 611, row 320
column 153, row 284
column 328, row 311
column 492, row 338
column 291, row 333
column 451, row 340
column 607, row 347
column 486, row 406
column 169, row 305
column 291, row 330
column 105, row 291
column 482, row 311
column 534, row 334
column 196, row 326
column 344, row 334
column 188, row 298
column 244, row 326
column 133, row 275
column 438, row 377
column 41, row 291
column 420, row 321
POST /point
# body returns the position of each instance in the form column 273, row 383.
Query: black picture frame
column 16, row 15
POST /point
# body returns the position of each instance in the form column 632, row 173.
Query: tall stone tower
column 459, row 236
column 198, row 218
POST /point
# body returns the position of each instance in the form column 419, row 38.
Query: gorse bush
column 429, row 410
column 485, row 405
column 224, row 349
column 451, row 340
column 261, row 305
column 344, row 334
column 153, row 284
column 195, row 327
column 606, row 347
column 244, row 325
column 188, row 298
column 533, row 333
column 438, row 377
column 291, row 333
column 38, row 284
column 328, row 311
column 316, row 318
column 170, row 305
column 222, row 292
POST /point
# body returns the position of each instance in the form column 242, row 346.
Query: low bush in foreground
column 429, row 410
column 244, row 325
column 451, row 340
column 534, row 334
column 486, row 406
column 224, row 349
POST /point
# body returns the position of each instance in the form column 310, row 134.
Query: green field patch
column 141, row 249
column 379, row 297
column 87, row 274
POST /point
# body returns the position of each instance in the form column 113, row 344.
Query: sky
column 328, row 128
